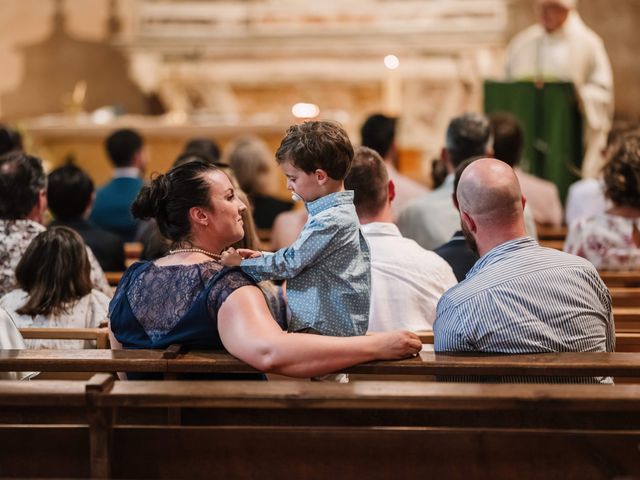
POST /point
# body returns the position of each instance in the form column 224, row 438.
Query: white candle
column 392, row 86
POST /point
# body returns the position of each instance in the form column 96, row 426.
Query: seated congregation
column 348, row 292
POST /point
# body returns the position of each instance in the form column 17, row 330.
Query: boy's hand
column 246, row 253
column 230, row 258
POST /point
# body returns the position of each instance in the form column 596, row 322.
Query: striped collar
column 499, row 252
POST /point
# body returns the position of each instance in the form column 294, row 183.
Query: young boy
column 328, row 267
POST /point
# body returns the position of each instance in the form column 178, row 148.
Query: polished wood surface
column 427, row 363
column 627, row 319
column 620, row 279
column 113, row 277
column 99, row 335
column 550, row 232
column 373, row 430
column 625, row 296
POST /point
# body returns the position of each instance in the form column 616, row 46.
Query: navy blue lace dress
column 156, row 306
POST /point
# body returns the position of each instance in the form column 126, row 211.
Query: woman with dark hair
column 54, row 276
column 611, row 240
column 187, row 297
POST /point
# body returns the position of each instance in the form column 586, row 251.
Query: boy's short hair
column 317, row 145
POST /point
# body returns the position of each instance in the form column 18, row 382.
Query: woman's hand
column 397, row 344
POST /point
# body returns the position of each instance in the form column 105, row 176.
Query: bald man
column 519, row 297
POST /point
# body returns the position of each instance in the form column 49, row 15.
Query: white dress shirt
column 406, row 280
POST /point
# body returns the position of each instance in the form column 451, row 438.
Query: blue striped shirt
column 523, row 298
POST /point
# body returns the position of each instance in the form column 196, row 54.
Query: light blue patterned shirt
column 328, row 270
column 523, row 298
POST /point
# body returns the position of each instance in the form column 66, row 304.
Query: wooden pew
column 620, row 279
column 627, row 319
column 625, row 341
column 99, row 335
column 426, row 363
column 625, row 297
column 113, row 278
column 369, row 430
column 132, row 253
column 549, row 232
column 555, row 244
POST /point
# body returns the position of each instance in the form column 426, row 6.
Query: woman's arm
column 249, row 333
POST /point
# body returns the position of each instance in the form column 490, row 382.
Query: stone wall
column 441, row 70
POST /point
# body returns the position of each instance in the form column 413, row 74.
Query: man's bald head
column 489, row 192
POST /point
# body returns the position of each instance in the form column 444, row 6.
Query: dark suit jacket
column 458, row 254
column 106, row 246
column 112, row 208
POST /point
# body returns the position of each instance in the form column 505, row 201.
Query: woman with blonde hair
column 251, row 161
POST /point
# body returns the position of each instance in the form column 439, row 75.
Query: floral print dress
column 607, row 241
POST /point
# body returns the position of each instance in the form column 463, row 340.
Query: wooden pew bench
column 316, row 430
column 624, row 297
column 426, row 363
column 98, row 335
column 620, row 279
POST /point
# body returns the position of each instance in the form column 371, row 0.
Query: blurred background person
column 560, row 47
column 70, row 195
column 251, row 161
column 586, row 197
column 611, row 240
column 542, row 195
column 112, row 207
column 378, row 132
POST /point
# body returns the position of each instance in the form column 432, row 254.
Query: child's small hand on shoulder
column 232, row 257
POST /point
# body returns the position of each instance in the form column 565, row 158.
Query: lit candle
column 392, row 86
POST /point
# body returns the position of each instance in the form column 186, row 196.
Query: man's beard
column 468, row 236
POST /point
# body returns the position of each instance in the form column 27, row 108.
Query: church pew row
column 107, row 429
column 168, row 362
column 549, row 232
column 625, row 341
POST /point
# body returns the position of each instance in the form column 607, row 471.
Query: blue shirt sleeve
column 314, row 242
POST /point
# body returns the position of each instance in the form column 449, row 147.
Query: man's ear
column 198, row 216
column 468, row 221
column 524, row 202
column 321, row 176
column 392, row 191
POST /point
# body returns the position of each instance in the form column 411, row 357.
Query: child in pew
column 54, row 276
column 327, row 268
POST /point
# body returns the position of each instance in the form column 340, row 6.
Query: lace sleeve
column 228, row 282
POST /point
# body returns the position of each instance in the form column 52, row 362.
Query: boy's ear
column 321, row 176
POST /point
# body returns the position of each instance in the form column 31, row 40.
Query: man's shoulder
column 519, row 266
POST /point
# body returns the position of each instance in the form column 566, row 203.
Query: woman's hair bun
column 151, row 201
